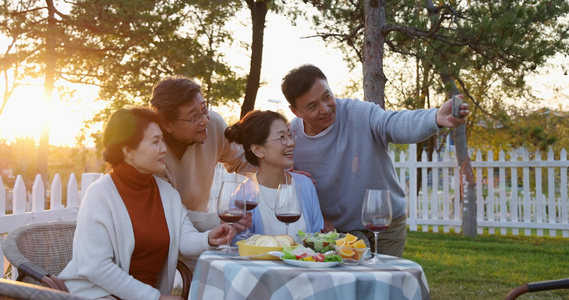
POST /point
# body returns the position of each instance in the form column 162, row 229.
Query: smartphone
column 456, row 103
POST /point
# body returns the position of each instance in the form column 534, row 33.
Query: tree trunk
column 258, row 16
column 467, row 184
column 50, row 59
column 374, row 78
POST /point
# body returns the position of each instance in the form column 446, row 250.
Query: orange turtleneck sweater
column 141, row 197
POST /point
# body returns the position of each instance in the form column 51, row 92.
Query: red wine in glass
column 249, row 205
column 288, row 218
column 377, row 227
column 288, row 206
column 248, row 196
column 229, row 217
column 227, row 208
column 376, row 216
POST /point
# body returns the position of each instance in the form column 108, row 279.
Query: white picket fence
column 504, row 205
column 27, row 208
column 435, row 202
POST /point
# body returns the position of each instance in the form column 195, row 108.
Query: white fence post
column 435, row 208
column 527, row 197
column 490, row 200
column 563, row 189
column 412, row 165
column 19, row 196
column 56, row 195
column 551, row 205
column 446, row 192
column 538, row 195
column 480, row 201
column 86, row 180
column 514, row 203
column 425, row 191
column 38, row 195
column 502, row 190
column 72, row 193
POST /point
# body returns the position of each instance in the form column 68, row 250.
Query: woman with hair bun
column 268, row 144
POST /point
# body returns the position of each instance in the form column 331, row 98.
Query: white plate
column 311, row 264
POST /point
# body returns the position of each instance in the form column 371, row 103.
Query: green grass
column 488, row 267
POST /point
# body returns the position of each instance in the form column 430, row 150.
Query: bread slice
column 287, row 237
column 283, row 240
column 251, row 240
column 267, row 240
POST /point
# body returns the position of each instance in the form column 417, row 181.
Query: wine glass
column 288, row 206
column 228, row 208
column 250, row 193
column 376, row 216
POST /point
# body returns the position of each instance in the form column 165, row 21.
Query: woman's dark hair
column 253, row 128
column 299, row 81
column 125, row 127
column 170, row 93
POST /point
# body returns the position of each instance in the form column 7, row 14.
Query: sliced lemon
column 347, row 253
column 340, row 242
column 350, row 239
column 359, row 244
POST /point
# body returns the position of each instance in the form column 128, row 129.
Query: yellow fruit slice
column 340, row 242
column 350, row 239
column 344, row 252
column 359, row 244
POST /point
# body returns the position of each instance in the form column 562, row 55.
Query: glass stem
column 286, row 229
column 375, row 242
column 229, row 242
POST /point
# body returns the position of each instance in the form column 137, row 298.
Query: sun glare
column 26, row 111
column 22, row 115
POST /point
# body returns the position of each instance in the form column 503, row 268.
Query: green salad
column 307, row 254
column 319, row 242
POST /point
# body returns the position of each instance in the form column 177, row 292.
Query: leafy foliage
column 127, row 46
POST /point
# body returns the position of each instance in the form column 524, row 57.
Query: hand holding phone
column 456, row 103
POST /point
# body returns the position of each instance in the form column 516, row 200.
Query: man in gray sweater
column 343, row 143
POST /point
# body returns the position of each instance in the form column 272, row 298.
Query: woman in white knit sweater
column 131, row 226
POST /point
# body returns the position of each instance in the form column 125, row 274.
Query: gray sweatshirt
column 352, row 156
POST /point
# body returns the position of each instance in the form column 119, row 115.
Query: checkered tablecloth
column 218, row 277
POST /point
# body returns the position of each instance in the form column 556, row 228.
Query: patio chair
column 41, row 251
column 10, row 289
column 537, row 287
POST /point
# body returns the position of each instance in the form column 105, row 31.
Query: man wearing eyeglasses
column 343, row 143
column 196, row 143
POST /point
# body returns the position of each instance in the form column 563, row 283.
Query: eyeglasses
column 284, row 138
column 197, row 117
